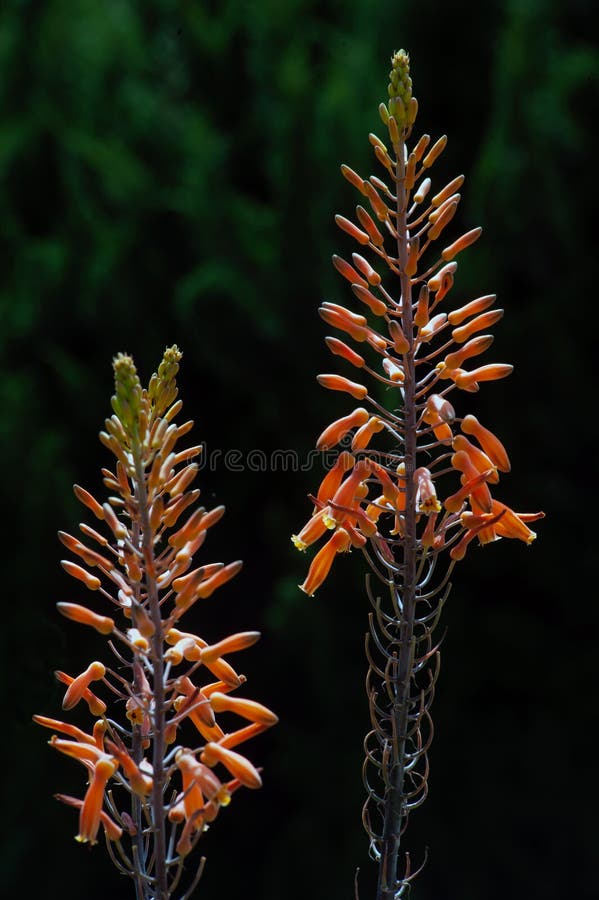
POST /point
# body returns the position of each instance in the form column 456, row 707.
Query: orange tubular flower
column 345, row 494
column 232, row 644
column 103, row 624
column 479, row 459
column 65, row 728
column 337, row 383
column 237, row 764
column 338, row 348
column 242, row 734
column 391, row 492
column 334, row 476
column 78, row 686
column 438, row 408
column 84, row 752
column 423, row 495
column 151, row 528
column 248, row 709
column 463, row 463
column 193, row 798
column 513, row 525
column 490, row 444
column 140, row 784
column 112, row 831
column 454, row 502
column 364, row 434
column 469, row 381
column 322, row 562
column 91, row 809
column 312, row 531
column 486, row 320
column 426, row 496
column 90, row 581
column 337, row 431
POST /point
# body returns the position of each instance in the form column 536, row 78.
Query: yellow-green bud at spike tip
column 402, row 106
column 163, row 387
column 127, row 399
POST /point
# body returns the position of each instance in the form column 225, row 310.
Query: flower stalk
column 399, row 503
column 152, row 796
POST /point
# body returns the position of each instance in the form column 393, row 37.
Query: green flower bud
column 162, row 391
column 127, row 400
column 400, row 89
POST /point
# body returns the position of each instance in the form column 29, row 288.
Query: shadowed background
column 169, row 173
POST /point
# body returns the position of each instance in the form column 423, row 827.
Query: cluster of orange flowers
column 417, row 348
column 140, row 571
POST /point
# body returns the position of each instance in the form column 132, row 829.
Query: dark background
column 169, row 173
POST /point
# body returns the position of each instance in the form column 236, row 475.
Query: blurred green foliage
column 169, row 173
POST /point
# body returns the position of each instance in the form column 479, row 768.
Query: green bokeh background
column 169, row 173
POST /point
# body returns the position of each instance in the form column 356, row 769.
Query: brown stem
column 402, row 671
column 137, row 753
column 159, row 719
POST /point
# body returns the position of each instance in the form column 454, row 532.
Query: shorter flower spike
column 151, row 530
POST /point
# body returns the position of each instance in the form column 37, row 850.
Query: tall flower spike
column 423, row 498
column 162, row 678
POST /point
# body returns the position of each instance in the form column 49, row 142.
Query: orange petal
column 76, row 613
column 462, row 462
column 488, row 441
column 322, row 562
column 479, row 459
column 65, row 728
column 231, row 644
column 312, row 531
column 334, row 476
column 462, row 242
column 472, row 348
column 90, row 581
column 471, row 309
column 366, row 269
column 338, row 383
column 511, row 525
column 348, row 271
column 491, row 372
column 338, row 348
column 486, row 320
column 438, row 408
column 237, row 764
column 338, row 429
column 94, row 672
column 91, row 809
column 345, row 225
column 249, row 709
column 375, row 305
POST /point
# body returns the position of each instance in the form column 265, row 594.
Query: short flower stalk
column 412, row 485
column 150, row 794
